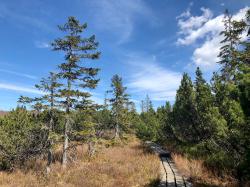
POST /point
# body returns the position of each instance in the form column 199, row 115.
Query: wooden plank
column 163, row 176
column 170, row 174
column 178, row 177
column 171, row 177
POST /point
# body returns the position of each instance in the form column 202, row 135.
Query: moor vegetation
column 63, row 138
column 210, row 122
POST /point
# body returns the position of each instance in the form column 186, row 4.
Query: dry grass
column 199, row 174
column 123, row 166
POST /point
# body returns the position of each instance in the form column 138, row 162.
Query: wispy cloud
column 18, row 74
column 21, row 19
column 150, row 78
column 119, row 17
column 187, row 12
column 204, row 31
column 42, row 45
column 13, row 87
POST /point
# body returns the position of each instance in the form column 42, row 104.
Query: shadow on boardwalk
column 154, row 183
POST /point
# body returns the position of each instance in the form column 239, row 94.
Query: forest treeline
column 208, row 121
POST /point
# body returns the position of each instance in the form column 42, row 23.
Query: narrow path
column 170, row 175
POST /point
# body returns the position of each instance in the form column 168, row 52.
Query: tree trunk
column 66, row 143
column 49, row 161
column 50, row 154
column 91, row 148
column 117, row 133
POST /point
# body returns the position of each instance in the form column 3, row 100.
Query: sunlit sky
column 150, row 43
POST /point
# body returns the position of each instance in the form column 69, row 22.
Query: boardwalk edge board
column 171, row 177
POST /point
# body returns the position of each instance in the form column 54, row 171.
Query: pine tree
column 21, row 138
column 228, row 52
column 225, row 85
column 149, row 126
column 148, row 104
column 210, row 122
column 142, row 106
column 48, row 102
column 76, row 78
column 118, row 103
column 227, row 90
column 243, row 73
column 184, row 112
column 50, row 87
column 163, row 114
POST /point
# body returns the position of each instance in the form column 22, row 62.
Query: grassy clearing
column 121, row 165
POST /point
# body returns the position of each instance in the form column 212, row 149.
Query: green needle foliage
column 118, row 102
column 207, row 121
column 50, row 87
column 76, row 78
column 148, row 128
column 21, row 138
column 48, row 104
column 184, row 112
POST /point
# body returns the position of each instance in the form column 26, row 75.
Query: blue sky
column 150, row 43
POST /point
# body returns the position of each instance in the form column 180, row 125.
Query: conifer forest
column 62, row 137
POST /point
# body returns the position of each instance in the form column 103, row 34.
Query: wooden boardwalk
column 170, row 176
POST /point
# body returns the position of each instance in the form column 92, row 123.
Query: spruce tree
column 243, row 80
column 243, row 73
column 184, row 112
column 142, row 106
column 118, row 104
column 50, row 87
column 148, row 104
column 228, row 52
column 76, row 78
column 209, row 121
column 149, row 127
column 163, row 114
column 227, row 90
column 47, row 102
column 225, row 84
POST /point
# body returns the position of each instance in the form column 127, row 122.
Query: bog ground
column 127, row 165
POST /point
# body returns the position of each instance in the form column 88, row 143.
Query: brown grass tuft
column 124, row 166
column 199, row 174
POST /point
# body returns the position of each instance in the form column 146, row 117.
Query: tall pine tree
column 47, row 102
column 184, row 112
column 76, row 78
column 118, row 104
column 209, row 121
column 50, row 87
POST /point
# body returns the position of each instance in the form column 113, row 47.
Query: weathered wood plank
column 163, row 176
column 171, row 177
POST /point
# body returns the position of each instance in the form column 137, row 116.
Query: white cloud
column 150, row 78
column 119, row 17
column 7, row 86
column 191, row 24
column 18, row 74
column 206, row 56
column 187, row 12
column 204, row 31
column 42, row 45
